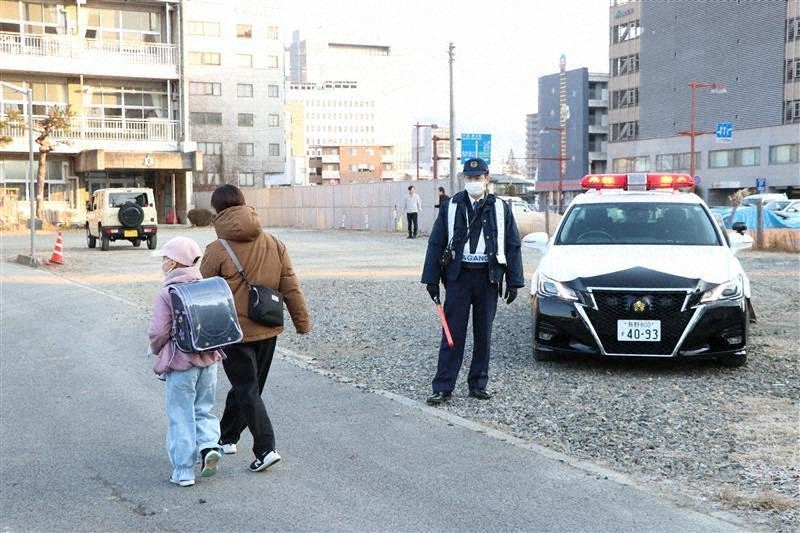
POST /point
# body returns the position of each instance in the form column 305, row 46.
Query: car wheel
column 151, row 242
column 136, row 242
column 91, row 240
column 104, row 243
column 733, row 361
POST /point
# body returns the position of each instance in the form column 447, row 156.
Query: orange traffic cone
column 57, row 257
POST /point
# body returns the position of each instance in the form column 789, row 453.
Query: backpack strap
column 235, row 260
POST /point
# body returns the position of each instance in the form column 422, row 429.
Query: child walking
column 191, row 378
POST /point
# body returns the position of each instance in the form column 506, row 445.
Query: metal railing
column 65, row 46
column 108, row 129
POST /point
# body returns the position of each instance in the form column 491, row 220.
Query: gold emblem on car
column 639, row 306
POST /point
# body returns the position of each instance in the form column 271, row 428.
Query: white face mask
column 475, row 188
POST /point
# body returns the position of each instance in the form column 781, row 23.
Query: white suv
column 128, row 214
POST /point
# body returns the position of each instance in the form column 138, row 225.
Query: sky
column 502, row 47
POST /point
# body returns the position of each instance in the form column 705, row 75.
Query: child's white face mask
column 167, row 261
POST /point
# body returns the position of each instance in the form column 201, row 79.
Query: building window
column 205, row 29
column 631, row 164
column 128, row 102
column 245, row 149
column 273, row 91
column 37, row 18
column 244, row 90
column 272, row 61
column 210, row 148
column 625, row 98
column 784, row 153
column 212, row 178
column 741, row 157
column 247, row 179
column 244, row 60
column 272, row 33
column 793, row 29
column 620, row 66
column 244, row 31
column 792, row 70
column 370, row 151
column 45, row 96
column 274, row 149
column 625, row 131
column 245, row 119
column 120, row 25
column 676, row 162
column 625, row 32
column 204, row 58
column 273, row 121
column 205, row 88
column 791, row 111
column 207, row 119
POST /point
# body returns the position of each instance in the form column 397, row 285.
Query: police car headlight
column 730, row 290
column 551, row 287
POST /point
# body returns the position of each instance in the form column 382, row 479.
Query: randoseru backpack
column 203, row 315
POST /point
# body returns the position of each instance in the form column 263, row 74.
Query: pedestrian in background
column 442, row 197
column 265, row 261
column 412, row 206
column 191, row 378
column 473, row 248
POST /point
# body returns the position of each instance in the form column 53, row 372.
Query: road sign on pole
column 476, row 145
column 724, row 132
column 761, row 184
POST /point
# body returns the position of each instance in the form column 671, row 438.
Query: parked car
column 121, row 214
column 763, row 197
column 785, row 208
column 641, row 273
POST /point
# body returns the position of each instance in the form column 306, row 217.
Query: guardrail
column 107, row 129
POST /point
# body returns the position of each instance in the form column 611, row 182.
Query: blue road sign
column 697, row 180
column 724, row 132
column 761, row 184
column 476, row 145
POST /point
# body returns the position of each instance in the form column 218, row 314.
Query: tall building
column 343, row 93
column 744, row 58
column 531, row 145
column 235, row 82
column 573, row 107
column 117, row 66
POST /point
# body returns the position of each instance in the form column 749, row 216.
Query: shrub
column 199, row 217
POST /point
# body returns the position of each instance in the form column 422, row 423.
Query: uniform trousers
column 247, row 366
column 471, row 290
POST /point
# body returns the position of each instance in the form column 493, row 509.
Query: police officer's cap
column 475, row 167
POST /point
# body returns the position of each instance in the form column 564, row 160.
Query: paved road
column 83, row 428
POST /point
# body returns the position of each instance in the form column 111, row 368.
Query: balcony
column 89, row 133
column 36, row 53
column 330, row 158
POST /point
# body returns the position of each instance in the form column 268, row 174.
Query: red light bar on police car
column 637, row 180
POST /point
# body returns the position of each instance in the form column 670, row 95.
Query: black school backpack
column 203, row 315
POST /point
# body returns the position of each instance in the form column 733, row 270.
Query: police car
column 639, row 268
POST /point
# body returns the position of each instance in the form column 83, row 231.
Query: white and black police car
column 639, row 268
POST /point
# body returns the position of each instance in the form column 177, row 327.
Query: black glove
column 433, row 290
column 511, row 294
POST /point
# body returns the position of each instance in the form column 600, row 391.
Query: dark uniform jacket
column 432, row 271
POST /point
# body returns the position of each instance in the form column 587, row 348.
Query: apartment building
column 235, row 85
column 678, row 69
column 573, row 130
column 117, row 66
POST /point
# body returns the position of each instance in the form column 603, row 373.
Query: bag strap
column 235, row 260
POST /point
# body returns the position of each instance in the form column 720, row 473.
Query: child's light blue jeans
column 191, row 425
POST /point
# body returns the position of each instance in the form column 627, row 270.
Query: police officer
column 473, row 246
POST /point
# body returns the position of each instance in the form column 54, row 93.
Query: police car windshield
column 638, row 223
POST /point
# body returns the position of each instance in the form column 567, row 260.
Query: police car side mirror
column 739, row 227
column 537, row 240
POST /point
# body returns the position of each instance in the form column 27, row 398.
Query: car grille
column 617, row 305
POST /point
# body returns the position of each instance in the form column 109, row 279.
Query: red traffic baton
column 445, row 327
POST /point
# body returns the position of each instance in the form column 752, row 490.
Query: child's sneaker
column 264, row 461
column 229, row 448
column 210, row 461
column 182, row 482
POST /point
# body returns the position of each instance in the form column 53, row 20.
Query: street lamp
column 29, row 171
column 418, row 126
column 715, row 88
column 562, row 159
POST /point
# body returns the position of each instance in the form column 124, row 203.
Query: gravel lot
column 710, row 437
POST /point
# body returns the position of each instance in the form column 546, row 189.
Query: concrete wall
column 373, row 206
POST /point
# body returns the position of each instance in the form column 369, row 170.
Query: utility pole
column 453, row 180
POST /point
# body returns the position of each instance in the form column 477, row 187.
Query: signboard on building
column 724, row 132
column 761, row 184
column 476, row 145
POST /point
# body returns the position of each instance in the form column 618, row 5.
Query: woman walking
column 264, row 261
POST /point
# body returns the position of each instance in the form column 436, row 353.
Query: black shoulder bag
column 264, row 305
